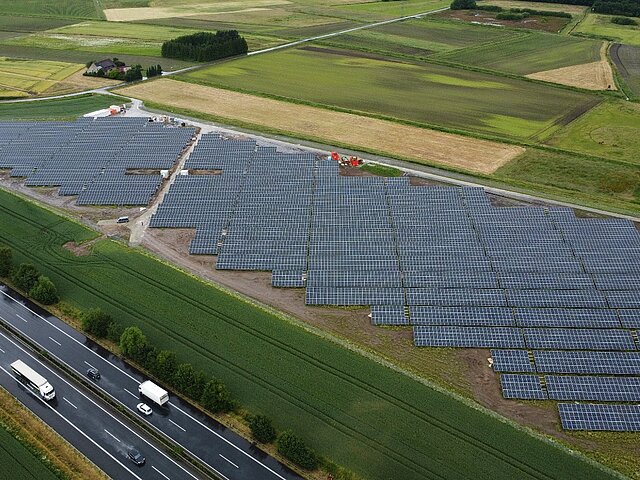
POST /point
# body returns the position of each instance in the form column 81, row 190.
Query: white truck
column 153, row 392
column 33, row 379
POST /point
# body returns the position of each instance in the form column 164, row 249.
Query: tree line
column 205, row 46
column 610, row 7
column 27, row 278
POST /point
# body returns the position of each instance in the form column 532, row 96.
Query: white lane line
column 143, row 439
column 1, row 350
column 78, row 429
column 89, row 364
column 160, row 472
column 69, row 403
column 138, row 381
column 177, row 425
column 108, row 432
column 225, row 458
column 134, row 396
column 20, row 316
column 55, row 341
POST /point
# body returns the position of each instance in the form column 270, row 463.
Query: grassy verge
column 381, row 170
column 370, row 418
column 57, row 109
column 30, row 449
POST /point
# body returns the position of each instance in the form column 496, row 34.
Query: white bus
column 33, row 379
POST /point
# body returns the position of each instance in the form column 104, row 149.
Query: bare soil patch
column 79, row 250
column 591, row 76
column 532, row 22
column 417, row 144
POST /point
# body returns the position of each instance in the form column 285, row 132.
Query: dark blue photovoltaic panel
column 455, row 297
column 604, row 389
column 526, row 387
column 603, row 417
column 462, row 316
column 472, row 337
column 630, row 318
column 566, row 317
column 579, row 339
column 585, row 362
column 389, row 315
column 514, row 361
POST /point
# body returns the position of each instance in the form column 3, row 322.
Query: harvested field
column 592, row 76
column 627, row 61
column 549, row 7
column 417, row 144
column 484, row 18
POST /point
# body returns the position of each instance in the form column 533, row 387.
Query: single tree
column 262, row 429
column 25, row 277
column 6, row 261
column 166, row 365
column 184, row 377
column 293, row 447
column 44, row 291
column 96, row 322
column 216, row 398
column 114, row 331
column 133, row 343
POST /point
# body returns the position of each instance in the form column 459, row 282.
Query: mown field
column 57, row 109
column 601, row 26
column 18, row 463
column 627, row 61
column 419, row 38
column 52, row 8
column 423, row 93
column 369, row 418
column 528, row 53
column 611, row 130
column 23, row 78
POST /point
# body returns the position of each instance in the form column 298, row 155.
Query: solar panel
column 513, row 361
column 603, row 417
column 579, row 339
column 462, row 316
column 526, row 387
column 476, row 337
column 388, row 315
column 602, row 363
column 582, row 387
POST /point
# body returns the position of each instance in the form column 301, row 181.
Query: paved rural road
column 95, row 429
column 232, row 457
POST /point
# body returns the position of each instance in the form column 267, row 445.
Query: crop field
column 57, row 109
column 17, row 459
column 126, row 39
column 533, row 52
column 550, row 7
column 627, row 61
column 489, row 20
column 23, row 78
column 367, row 417
column 611, row 130
column 601, row 26
column 422, row 93
column 52, row 8
column 15, row 23
column 420, row 38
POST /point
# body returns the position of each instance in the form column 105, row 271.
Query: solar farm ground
column 414, row 431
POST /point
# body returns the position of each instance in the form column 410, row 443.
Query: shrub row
column 624, row 21
column 28, row 279
column 530, row 11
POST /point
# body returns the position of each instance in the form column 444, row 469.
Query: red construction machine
column 346, row 161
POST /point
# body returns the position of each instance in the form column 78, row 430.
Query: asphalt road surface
column 222, row 450
column 104, row 436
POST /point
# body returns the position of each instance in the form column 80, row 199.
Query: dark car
column 136, row 457
column 93, row 373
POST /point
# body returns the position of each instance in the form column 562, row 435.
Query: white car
column 144, row 408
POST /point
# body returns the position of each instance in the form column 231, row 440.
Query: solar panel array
column 93, row 158
column 558, row 295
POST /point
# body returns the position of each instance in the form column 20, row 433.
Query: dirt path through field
column 413, row 143
column 591, row 76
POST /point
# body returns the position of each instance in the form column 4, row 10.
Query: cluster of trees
column 132, row 74
column 154, row 71
column 463, row 5
column 624, row 21
column 205, row 46
column 506, row 14
column 511, row 16
column 27, row 278
column 629, row 8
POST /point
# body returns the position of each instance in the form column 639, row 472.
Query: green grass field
column 23, row 78
column 610, row 130
column 366, row 417
column 18, row 463
column 420, row 38
column 58, row 109
column 601, row 26
column 533, row 52
column 422, row 93
column 52, row 8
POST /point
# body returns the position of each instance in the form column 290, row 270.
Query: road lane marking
column 89, row 364
column 1, row 350
column 177, row 425
column 76, row 428
column 55, row 341
column 137, row 381
column 21, row 318
column 117, row 439
column 142, row 438
column 134, row 396
column 225, row 458
column 69, row 403
column 160, row 472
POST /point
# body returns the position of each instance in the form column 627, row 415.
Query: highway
column 103, row 435
column 223, row 451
